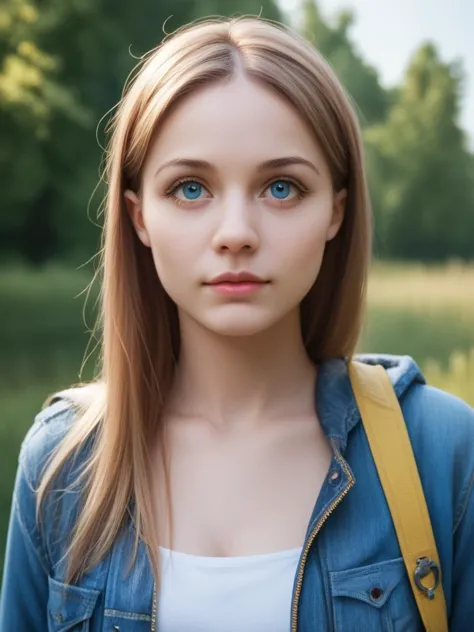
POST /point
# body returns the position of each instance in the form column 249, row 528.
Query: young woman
column 217, row 476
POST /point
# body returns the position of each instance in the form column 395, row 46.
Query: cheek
column 176, row 249
column 170, row 248
column 302, row 247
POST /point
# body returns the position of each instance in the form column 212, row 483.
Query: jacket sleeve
column 462, row 606
column 24, row 592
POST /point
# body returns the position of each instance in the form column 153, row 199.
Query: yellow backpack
column 396, row 466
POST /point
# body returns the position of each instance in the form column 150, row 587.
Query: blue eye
column 280, row 189
column 191, row 190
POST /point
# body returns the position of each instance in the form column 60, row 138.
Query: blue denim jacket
column 350, row 547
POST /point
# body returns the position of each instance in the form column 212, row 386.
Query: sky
column 387, row 32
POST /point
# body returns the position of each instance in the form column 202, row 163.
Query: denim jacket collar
column 334, row 399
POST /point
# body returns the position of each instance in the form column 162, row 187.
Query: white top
column 232, row 594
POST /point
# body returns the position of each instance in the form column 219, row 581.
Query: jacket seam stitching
column 22, row 460
column 26, row 535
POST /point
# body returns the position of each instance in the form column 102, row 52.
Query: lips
column 239, row 277
column 239, row 289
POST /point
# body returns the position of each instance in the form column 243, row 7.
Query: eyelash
column 170, row 193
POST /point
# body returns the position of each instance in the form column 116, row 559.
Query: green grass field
column 427, row 313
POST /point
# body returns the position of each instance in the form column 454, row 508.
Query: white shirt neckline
column 233, row 560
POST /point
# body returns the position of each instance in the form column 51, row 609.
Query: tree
column 63, row 64
column 30, row 97
column 359, row 79
column 422, row 172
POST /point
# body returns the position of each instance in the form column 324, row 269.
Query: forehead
column 237, row 120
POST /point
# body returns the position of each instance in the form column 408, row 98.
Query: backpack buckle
column 425, row 566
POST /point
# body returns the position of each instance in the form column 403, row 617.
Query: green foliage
column 421, row 171
column 360, row 79
column 29, row 88
column 63, row 64
column 32, row 97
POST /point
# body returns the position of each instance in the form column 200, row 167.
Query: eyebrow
column 266, row 165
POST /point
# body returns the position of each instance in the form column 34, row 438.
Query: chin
column 238, row 326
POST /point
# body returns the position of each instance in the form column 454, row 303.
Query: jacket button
column 59, row 617
column 376, row 593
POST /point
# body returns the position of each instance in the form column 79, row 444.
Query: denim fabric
column 351, row 577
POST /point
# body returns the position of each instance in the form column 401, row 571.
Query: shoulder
column 49, row 427
column 52, row 424
column 441, row 429
column 431, row 414
column 439, row 417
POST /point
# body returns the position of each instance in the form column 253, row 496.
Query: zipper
column 312, row 536
column 153, row 610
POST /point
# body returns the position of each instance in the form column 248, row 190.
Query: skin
column 245, row 442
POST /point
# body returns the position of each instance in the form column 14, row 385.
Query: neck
column 243, row 379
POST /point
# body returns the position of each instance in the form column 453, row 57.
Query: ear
column 338, row 209
column 135, row 210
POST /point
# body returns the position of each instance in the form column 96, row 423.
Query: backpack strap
column 396, row 466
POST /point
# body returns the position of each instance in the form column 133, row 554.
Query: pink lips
column 236, row 277
column 237, row 283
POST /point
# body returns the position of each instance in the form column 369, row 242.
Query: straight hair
column 122, row 408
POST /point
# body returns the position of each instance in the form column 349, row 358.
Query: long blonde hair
column 140, row 341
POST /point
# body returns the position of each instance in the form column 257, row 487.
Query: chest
column 241, row 492
column 352, row 552
column 251, row 593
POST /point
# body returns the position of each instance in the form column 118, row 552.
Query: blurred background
column 409, row 68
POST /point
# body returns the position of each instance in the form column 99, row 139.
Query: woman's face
column 262, row 203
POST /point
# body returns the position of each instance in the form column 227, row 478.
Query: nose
column 237, row 225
